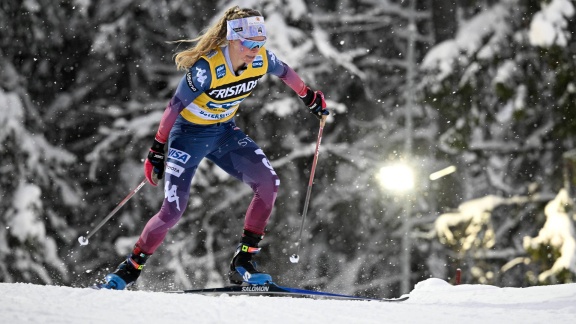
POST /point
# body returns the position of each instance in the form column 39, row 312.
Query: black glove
column 154, row 165
column 315, row 102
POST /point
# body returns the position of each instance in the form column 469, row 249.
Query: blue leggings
column 230, row 149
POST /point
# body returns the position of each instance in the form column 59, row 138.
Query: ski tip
column 99, row 286
column 113, row 282
column 399, row 299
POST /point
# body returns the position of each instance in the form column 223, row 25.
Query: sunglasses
column 251, row 44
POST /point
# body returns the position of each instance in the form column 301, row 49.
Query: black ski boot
column 242, row 270
column 127, row 272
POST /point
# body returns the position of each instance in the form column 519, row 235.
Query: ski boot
column 242, row 270
column 127, row 272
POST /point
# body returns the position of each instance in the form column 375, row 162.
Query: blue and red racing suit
column 199, row 123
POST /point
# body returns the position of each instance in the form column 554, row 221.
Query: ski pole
column 84, row 240
column 294, row 258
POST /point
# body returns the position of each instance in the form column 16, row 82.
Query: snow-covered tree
column 504, row 88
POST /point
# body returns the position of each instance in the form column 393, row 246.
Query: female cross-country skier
column 222, row 69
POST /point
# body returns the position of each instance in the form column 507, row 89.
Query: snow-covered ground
column 431, row 301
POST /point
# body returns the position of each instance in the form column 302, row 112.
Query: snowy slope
column 431, row 301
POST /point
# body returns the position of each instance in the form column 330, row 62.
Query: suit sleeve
column 286, row 74
column 192, row 84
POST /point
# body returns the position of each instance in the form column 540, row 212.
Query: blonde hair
column 211, row 38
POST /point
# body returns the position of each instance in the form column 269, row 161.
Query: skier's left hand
column 154, row 165
column 316, row 103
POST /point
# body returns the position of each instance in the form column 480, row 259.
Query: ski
column 272, row 289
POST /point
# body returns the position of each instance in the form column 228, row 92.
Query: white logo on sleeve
column 201, row 75
column 272, row 57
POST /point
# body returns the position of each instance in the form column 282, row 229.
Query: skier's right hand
column 154, row 165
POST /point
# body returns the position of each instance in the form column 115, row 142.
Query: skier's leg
column 176, row 194
column 244, row 159
column 180, row 168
